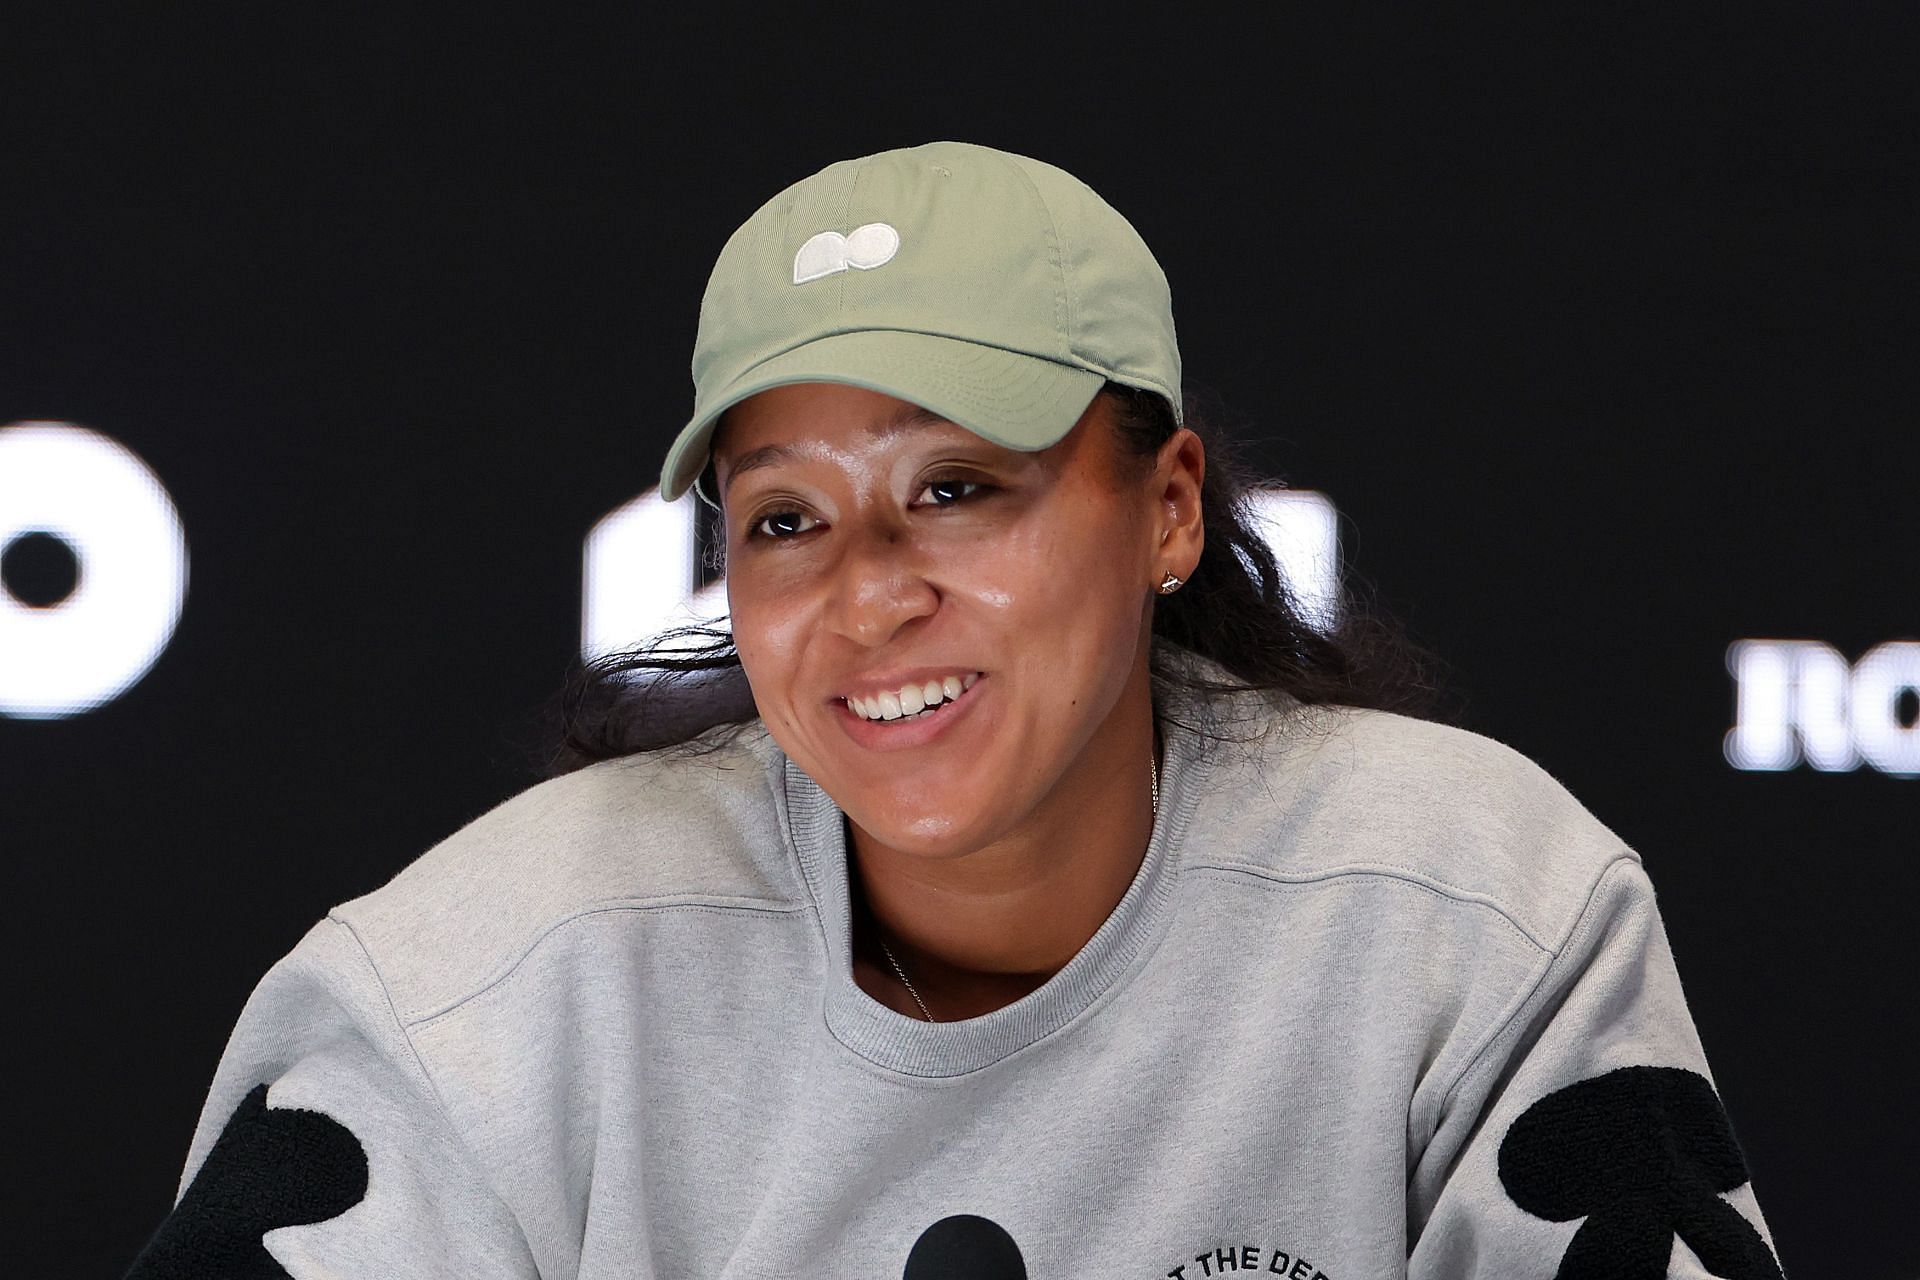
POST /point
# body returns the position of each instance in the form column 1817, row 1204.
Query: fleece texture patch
column 1643, row 1154
column 270, row 1168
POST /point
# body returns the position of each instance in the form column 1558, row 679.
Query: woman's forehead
column 787, row 423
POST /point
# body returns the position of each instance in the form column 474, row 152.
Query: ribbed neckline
column 913, row 1046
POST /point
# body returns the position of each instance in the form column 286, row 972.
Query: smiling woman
column 1015, row 886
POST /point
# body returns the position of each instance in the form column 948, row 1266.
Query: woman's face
column 873, row 548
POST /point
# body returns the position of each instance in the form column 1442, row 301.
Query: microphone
column 965, row 1247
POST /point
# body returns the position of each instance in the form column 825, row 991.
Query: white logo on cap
column 830, row 252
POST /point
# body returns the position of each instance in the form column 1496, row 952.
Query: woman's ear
column 1180, row 478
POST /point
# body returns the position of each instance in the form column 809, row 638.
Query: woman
column 1055, row 904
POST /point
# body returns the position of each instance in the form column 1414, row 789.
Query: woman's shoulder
column 1325, row 791
column 701, row 824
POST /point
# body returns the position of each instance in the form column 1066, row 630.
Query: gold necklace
column 1153, row 775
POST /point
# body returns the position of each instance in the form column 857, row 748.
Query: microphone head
column 965, row 1247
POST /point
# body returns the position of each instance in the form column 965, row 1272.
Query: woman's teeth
column 913, row 699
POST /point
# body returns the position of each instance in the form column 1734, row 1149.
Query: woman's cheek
column 749, row 642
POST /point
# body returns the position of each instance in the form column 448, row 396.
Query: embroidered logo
column 270, row 1167
column 1641, row 1154
column 830, row 253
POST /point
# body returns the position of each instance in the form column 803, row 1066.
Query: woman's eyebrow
column 768, row 455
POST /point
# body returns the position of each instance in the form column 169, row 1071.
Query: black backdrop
column 1598, row 326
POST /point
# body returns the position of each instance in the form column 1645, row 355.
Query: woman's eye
column 786, row 523
column 780, row 524
column 947, row 492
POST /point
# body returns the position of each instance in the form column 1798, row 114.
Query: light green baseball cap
column 996, row 290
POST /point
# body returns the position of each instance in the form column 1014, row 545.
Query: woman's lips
column 913, row 731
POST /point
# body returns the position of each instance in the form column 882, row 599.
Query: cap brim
column 1011, row 398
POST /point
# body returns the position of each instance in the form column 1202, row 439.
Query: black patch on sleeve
column 965, row 1247
column 279, row 1167
column 1642, row 1153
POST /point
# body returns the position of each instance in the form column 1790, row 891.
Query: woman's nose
column 877, row 587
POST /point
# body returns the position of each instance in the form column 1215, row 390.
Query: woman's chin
column 918, row 831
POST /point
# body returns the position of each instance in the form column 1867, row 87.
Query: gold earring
column 1170, row 584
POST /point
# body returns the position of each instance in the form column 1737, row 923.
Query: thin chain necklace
column 1154, row 777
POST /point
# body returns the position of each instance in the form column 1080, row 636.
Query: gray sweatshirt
column 1383, row 999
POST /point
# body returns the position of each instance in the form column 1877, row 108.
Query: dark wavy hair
column 683, row 688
